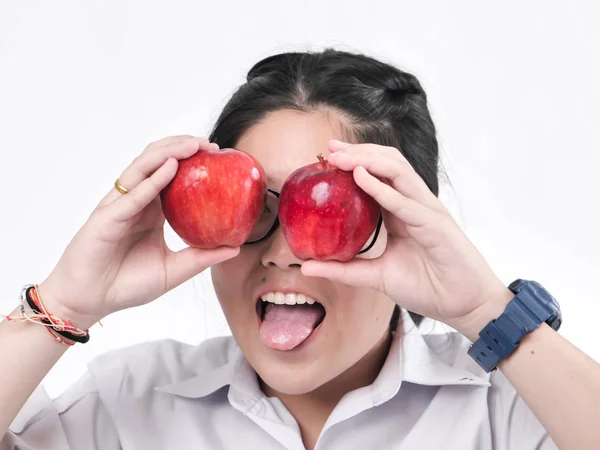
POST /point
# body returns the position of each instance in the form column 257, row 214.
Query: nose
column 277, row 253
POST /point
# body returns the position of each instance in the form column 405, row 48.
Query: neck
column 312, row 409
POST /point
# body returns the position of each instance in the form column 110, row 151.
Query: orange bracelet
column 56, row 327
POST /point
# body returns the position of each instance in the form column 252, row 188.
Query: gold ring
column 119, row 187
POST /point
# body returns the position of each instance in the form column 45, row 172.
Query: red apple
column 215, row 198
column 324, row 215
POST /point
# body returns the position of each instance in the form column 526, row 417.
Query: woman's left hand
column 429, row 266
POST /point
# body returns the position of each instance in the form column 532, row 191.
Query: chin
column 293, row 372
column 292, row 380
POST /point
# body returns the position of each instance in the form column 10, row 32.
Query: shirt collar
column 209, row 378
column 439, row 360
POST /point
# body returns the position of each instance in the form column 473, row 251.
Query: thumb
column 357, row 272
column 189, row 262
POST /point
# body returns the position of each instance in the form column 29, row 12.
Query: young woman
column 347, row 371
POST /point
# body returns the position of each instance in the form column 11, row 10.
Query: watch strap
column 501, row 336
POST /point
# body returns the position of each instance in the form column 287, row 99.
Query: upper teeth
column 280, row 298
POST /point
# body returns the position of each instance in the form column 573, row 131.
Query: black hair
column 380, row 104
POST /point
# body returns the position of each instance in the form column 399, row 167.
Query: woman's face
column 356, row 320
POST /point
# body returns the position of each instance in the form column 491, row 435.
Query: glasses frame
column 276, row 224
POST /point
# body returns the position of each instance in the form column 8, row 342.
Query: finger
column 189, row 262
column 128, row 205
column 336, row 146
column 147, row 163
column 400, row 174
column 152, row 158
column 375, row 149
column 406, row 209
column 356, row 272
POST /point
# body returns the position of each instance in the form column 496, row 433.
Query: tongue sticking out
column 286, row 326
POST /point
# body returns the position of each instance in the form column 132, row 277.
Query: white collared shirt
column 170, row 395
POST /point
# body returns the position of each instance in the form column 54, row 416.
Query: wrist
column 471, row 324
column 51, row 301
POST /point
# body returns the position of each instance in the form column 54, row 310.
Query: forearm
column 27, row 352
column 559, row 383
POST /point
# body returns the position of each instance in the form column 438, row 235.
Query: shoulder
column 149, row 364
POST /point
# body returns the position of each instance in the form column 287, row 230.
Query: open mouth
column 286, row 326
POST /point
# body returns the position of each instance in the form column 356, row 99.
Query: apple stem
column 321, row 159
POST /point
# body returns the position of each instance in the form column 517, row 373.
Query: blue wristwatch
column 531, row 306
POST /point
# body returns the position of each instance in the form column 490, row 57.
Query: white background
column 513, row 89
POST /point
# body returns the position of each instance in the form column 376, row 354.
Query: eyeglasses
column 269, row 221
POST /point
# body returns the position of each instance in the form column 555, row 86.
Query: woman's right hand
column 119, row 258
